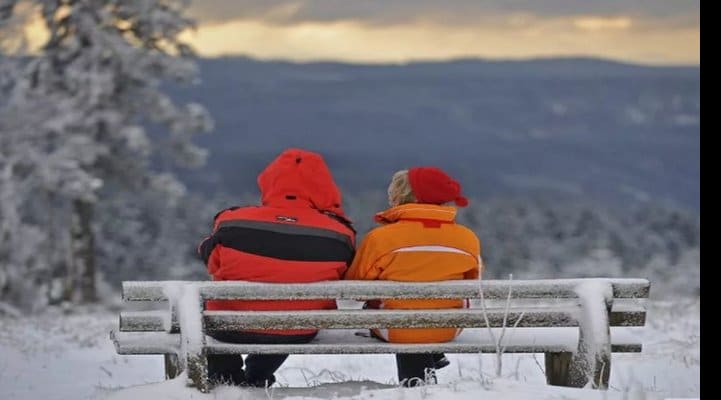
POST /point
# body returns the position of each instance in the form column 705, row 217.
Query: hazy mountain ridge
column 567, row 127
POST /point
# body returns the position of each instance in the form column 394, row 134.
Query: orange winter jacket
column 418, row 243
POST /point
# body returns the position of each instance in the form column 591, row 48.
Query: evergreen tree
column 90, row 119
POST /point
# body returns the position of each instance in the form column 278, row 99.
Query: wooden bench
column 576, row 323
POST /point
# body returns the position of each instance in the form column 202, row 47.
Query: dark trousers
column 415, row 368
column 259, row 368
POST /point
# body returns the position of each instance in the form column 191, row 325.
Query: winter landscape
column 69, row 356
column 575, row 130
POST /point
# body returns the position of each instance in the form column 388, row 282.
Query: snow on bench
column 576, row 323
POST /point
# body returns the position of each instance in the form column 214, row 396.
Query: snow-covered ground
column 69, row 356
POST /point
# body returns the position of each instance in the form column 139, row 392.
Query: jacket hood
column 300, row 178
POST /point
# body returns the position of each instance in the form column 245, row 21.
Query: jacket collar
column 417, row 211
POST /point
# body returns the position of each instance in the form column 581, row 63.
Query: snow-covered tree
column 534, row 237
column 90, row 120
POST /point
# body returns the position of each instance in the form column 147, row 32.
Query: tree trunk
column 83, row 247
column 57, row 254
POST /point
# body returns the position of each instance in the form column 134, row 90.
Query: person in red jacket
column 419, row 240
column 298, row 234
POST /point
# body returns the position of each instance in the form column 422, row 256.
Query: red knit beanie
column 432, row 185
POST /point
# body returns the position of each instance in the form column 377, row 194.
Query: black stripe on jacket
column 280, row 241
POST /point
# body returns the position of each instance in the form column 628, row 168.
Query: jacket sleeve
column 475, row 273
column 364, row 265
column 206, row 251
column 206, row 248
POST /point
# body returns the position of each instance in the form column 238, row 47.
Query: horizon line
column 609, row 60
column 452, row 60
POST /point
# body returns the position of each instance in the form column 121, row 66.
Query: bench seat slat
column 525, row 340
column 338, row 319
column 365, row 290
column 145, row 342
column 147, row 321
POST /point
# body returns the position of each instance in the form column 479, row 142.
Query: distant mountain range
column 575, row 128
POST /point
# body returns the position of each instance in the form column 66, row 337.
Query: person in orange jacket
column 298, row 234
column 418, row 241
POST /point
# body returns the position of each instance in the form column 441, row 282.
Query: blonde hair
column 399, row 190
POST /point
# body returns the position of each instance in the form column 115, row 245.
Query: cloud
column 602, row 23
column 515, row 36
column 646, row 31
column 382, row 31
column 449, row 12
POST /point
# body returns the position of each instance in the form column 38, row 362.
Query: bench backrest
column 495, row 303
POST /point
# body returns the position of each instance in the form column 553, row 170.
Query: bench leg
column 591, row 364
column 557, row 366
column 190, row 316
column 173, row 366
column 567, row 369
column 595, row 367
column 198, row 371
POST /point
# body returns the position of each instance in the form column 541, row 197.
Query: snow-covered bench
column 576, row 323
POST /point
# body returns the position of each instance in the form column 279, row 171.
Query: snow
column 70, row 356
column 331, row 342
column 595, row 297
column 190, row 319
column 364, row 290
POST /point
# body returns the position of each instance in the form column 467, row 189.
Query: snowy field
column 69, row 356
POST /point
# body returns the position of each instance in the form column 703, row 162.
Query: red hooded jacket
column 299, row 234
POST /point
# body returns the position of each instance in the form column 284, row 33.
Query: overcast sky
column 656, row 32
column 643, row 31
